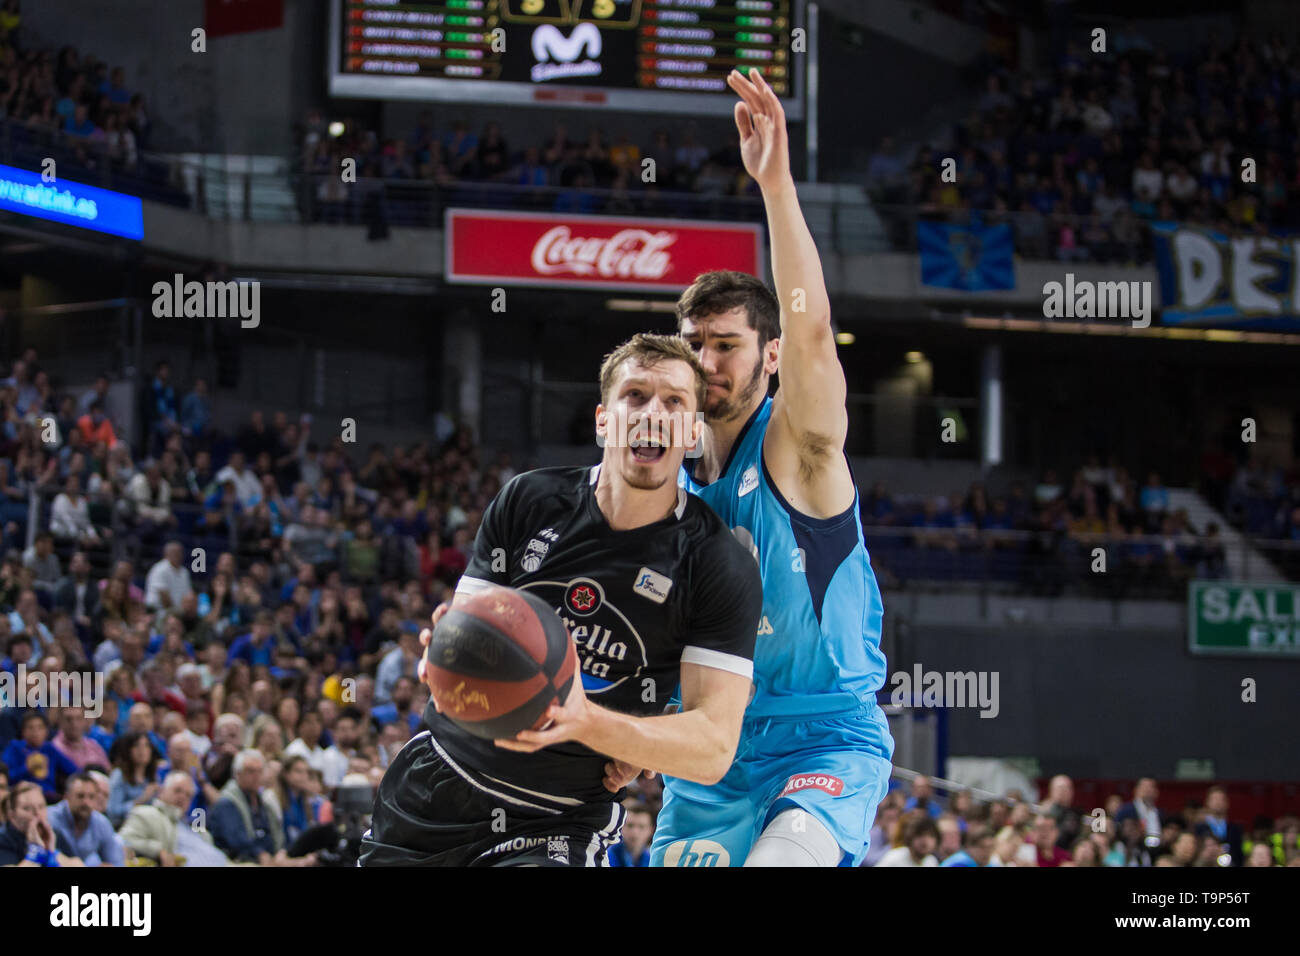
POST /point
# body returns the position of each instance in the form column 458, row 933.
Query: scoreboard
column 631, row 55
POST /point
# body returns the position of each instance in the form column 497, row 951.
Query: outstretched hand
column 760, row 120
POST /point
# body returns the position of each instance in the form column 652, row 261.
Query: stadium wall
column 1113, row 702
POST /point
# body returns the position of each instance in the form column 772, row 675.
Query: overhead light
column 336, row 129
column 914, row 358
column 845, row 338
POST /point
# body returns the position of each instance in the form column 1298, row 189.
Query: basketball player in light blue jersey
column 814, row 754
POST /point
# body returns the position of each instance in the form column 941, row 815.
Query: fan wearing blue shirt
column 255, row 648
column 633, row 846
column 978, row 850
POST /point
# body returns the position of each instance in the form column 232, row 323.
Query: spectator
column 31, row 757
column 95, row 426
column 1143, row 809
column 246, row 822
column 196, row 411
column 133, row 782
column 84, row 828
column 978, row 850
column 41, row 560
column 168, row 582
column 918, row 837
column 1043, row 840
column 151, row 829
column 1060, row 796
column 73, row 742
column 1215, row 824
column 923, row 797
column 70, row 516
column 248, row 489
column 27, row 839
column 633, row 846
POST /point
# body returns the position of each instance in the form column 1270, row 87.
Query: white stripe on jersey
column 566, row 801
column 604, row 837
column 469, row 586
column 708, row 657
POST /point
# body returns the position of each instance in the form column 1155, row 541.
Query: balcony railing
column 267, row 189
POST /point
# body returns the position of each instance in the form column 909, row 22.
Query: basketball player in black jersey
column 655, row 592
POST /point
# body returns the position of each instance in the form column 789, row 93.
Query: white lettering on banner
column 629, row 254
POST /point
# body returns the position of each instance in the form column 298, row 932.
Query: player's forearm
column 690, row 745
column 796, row 264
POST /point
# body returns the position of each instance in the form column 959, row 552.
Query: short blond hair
column 648, row 349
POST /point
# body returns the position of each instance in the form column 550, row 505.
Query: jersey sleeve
column 490, row 561
column 725, row 607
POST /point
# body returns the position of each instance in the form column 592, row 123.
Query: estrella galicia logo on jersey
column 533, row 554
column 815, row 781
column 653, row 585
column 748, row 481
column 696, row 853
column 583, row 598
column 609, row 647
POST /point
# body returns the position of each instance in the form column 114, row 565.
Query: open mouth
column 648, row 451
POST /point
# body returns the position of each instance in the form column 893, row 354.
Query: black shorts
column 430, row 811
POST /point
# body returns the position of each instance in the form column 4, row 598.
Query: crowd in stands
column 1082, row 158
column 913, row 828
column 1045, row 535
column 71, row 97
column 252, row 602
column 597, row 172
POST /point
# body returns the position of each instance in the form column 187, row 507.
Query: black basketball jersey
column 637, row 603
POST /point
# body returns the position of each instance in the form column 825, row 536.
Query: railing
column 146, row 175
column 240, row 188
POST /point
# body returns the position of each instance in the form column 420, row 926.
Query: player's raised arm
column 811, row 400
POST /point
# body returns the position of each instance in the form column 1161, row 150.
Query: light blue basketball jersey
column 818, row 650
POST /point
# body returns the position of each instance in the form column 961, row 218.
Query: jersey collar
column 594, row 474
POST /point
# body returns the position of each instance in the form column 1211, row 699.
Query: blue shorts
column 835, row 768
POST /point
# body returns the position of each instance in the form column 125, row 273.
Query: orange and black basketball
column 497, row 661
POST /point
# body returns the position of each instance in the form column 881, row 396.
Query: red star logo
column 582, row 598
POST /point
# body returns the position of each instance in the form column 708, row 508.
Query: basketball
column 496, row 662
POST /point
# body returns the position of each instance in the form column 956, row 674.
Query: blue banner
column 73, row 204
column 973, row 258
column 1209, row 278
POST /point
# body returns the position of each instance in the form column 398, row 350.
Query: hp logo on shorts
column 696, row 853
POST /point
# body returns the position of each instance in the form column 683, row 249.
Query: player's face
column 737, row 369
column 649, row 422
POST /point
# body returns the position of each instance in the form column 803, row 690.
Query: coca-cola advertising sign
column 593, row 252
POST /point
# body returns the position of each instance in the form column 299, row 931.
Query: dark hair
column 22, row 637
column 351, row 713
column 81, row 776
column 724, row 290
column 122, row 760
column 35, row 716
column 919, row 824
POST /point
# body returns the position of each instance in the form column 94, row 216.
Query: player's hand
column 760, row 120
column 427, row 635
column 619, row 774
column 568, row 722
